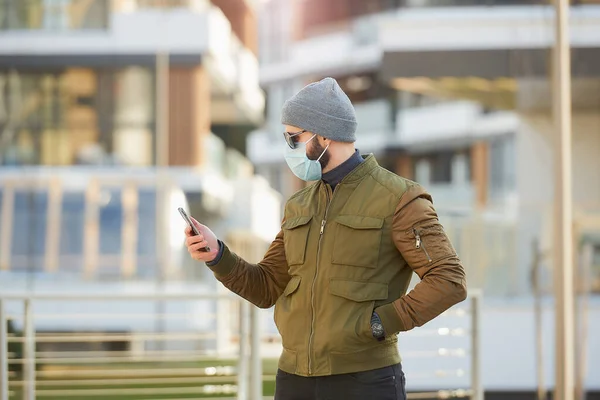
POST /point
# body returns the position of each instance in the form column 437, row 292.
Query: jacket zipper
column 312, row 292
column 419, row 244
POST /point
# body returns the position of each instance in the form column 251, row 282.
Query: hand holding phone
column 192, row 226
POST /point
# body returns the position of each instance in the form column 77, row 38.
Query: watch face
column 377, row 329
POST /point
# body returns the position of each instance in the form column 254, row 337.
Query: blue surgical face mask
column 303, row 167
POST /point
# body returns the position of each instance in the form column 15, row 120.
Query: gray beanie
column 322, row 108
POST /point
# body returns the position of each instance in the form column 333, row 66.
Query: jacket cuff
column 217, row 257
column 223, row 265
column 391, row 321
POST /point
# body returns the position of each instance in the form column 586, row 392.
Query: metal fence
column 205, row 346
column 447, row 350
column 87, row 362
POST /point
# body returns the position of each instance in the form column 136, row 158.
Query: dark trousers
column 379, row 384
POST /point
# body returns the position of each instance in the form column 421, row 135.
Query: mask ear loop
column 311, row 138
column 323, row 152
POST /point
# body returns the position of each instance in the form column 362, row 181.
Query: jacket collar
column 362, row 170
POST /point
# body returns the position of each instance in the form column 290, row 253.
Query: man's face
column 314, row 147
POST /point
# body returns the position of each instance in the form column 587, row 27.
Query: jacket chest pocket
column 295, row 235
column 357, row 241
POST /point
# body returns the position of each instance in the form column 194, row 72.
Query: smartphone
column 191, row 224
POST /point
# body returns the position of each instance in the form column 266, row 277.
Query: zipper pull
column 417, row 239
column 322, row 227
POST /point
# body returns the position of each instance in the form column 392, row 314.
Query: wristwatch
column 377, row 327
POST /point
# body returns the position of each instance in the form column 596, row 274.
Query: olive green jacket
column 342, row 255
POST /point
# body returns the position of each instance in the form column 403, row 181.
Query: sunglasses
column 289, row 138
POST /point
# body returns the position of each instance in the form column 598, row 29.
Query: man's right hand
column 195, row 243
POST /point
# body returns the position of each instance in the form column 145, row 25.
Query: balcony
column 105, row 224
column 90, row 223
column 325, row 16
column 517, row 27
column 452, row 125
column 353, row 48
column 510, row 42
column 77, row 15
column 131, row 31
column 398, row 40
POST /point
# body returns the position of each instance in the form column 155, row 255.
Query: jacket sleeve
column 420, row 238
column 262, row 283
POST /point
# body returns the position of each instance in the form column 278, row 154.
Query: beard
column 315, row 150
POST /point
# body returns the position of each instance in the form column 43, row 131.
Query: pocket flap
column 358, row 222
column 358, row 291
column 292, row 285
column 296, row 222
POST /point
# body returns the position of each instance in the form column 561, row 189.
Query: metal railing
column 76, row 363
column 224, row 356
column 469, row 351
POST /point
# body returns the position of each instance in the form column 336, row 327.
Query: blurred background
column 113, row 113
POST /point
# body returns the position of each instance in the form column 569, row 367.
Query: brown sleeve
column 262, row 283
column 421, row 240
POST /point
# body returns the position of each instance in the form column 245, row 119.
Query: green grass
column 269, row 369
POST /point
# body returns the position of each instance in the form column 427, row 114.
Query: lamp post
column 563, row 228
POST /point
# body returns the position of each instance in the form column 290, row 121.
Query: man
column 339, row 269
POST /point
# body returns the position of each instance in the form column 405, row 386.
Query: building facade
column 112, row 114
column 455, row 95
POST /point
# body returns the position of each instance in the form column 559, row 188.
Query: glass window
column 78, row 116
column 29, row 230
column 111, row 218
column 146, row 246
column 15, row 14
column 468, row 166
column 55, row 15
column 502, row 165
column 595, row 268
column 72, row 232
column 441, row 167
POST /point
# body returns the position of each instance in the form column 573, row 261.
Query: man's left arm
column 420, row 238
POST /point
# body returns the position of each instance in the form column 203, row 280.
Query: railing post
column 223, row 321
column 3, row 353
column 6, row 228
column 476, row 383
column 243, row 367
column 255, row 360
column 29, row 353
